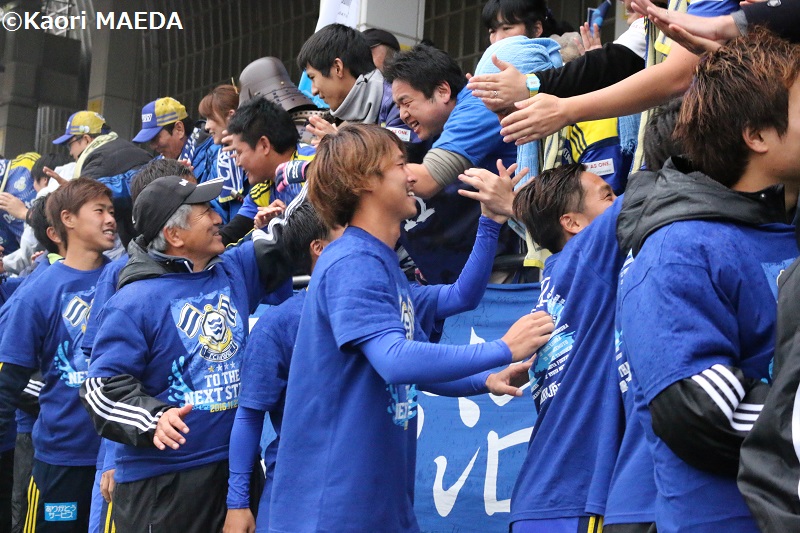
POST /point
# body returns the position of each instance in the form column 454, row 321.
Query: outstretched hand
column 528, row 334
column 696, row 34
column 536, row 118
column 509, row 380
column 495, row 192
column 499, row 91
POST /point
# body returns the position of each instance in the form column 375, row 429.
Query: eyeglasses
column 73, row 141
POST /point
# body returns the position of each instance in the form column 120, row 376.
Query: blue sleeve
column 399, row 360
column 472, row 131
column 676, row 325
column 243, row 257
column 279, row 295
column 468, row 386
column 109, row 448
column 245, row 436
column 29, row 327
column 712, row 8
column 467, row 291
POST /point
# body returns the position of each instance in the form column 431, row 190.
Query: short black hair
column 50, row 161
column 425, row 67
column 336, row 40
column 157, row 168
column 527, row 12
column 37, row 220
column 259, row 117
column 303, row 227
column 659, row 143
column 544, row 199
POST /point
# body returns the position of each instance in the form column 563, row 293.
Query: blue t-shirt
column 48, row 318
column 183, row 336
column 570, row 376
column 440, row 238
column 347, row 455
column 698, row 294
column 632, row 494
column 106, row 288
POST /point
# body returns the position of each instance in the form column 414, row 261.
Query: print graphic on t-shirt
column 623, row 366
column 69, row 360
column 552, row 357
column 403, row 398
column 773, row 272
column 207, row 375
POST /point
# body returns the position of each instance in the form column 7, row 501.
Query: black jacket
column 769, row 471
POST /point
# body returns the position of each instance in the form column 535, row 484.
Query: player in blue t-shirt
column 698, row 303
column 22, row 447
column 48, row 320
column 573, row 214
column 167, row 356
column 348, row 439
column 265, row 370
column 431, row 92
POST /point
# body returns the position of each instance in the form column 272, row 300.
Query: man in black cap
column 383, row 46
column 167, row 357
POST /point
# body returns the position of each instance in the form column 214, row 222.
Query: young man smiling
column 49, row 319
column 346, row 460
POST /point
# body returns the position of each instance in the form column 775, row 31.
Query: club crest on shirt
column 212, row 327
column 207, row 373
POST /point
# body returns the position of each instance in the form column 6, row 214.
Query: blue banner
column 470, row 450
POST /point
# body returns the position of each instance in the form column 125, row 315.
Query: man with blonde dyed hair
column 347, row 454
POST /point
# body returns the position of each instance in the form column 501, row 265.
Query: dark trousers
column 6, row 483
column 23, row 464
column 59, row 498
column 190, row 501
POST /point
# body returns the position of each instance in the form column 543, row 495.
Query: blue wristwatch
column 532, row 83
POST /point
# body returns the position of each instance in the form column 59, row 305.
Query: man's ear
column 444, row 93
column 179, row 129
column 316, row 248
column 51, row 232
column 571, row 223
column 264, row 145
column 68, row 219
column 337, row 69
column 173, row 237
column 756, row 139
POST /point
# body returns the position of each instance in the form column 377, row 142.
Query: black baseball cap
column 163, row 196
column 376, row 36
